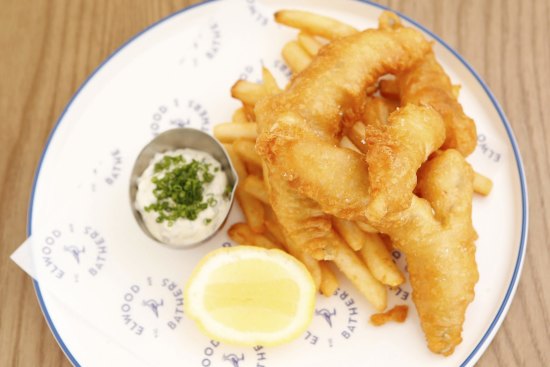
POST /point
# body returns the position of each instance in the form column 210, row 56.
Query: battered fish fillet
column 439, row 247
column 376, row 110
column 395, row 151
column 308, row 224
column 300, row 128
column 310, row 176
column 340, row 181
column 427, row 83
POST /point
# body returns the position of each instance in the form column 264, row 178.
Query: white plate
column 179, row 71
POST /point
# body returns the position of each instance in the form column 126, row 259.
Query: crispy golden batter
column 397, row 314
column 376, row 110
column 334, row 82
column 303, row 221
column 299, row 131
column 395, row 151
column 427, row 83
column 437, row 237
column 309, row 177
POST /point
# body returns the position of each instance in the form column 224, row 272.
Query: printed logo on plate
column 215, row 354
column 108, row 170
column 179, row 113
column 152, row 307
column 279, row 66
column 205, row 46
column 259, row 15
column 72, row 252
column 253, row 71
column 484, row 145
column 335, row 320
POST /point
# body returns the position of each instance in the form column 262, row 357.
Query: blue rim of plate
column 523, row 238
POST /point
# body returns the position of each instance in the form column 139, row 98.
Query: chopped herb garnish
column 207, row 220
column 168, row 161
column 227, row 192
column 211, row 201
column 179, row 192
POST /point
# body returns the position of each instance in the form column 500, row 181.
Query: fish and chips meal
column 362, row 153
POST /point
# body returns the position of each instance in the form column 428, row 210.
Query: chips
column 314, row 24
column 295, row 56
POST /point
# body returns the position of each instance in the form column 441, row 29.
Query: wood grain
column 47, row 49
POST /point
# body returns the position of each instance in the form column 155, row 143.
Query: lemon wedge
column 250, row 296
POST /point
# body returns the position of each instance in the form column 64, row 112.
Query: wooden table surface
column 48, row 48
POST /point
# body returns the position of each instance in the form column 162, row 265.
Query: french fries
column 239, row 115
column 357, row 272
column 372, row 250
column 379, row 260
column 482, row 184
column 329, row 281
column 309, row 43
column 230, row 131
column 349, row 231
column 248, row 92
column 237, row 162
column 296, row 57
column 270, row 84
column 311, row 264
column 244, row 235
column 314, row 24
column 247, row 152
column 254, row 186
column 252, row 208
column 366, row 227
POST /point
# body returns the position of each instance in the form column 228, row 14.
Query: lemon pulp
column 247, row 295
column 252, row 295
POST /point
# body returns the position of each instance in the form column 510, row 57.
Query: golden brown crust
column 310, row 178
column 437, row 237
column 299, row 130
column 395, row 151
column 397, row 314
column 427, row 83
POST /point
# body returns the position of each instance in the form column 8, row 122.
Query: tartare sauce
column 182, row 196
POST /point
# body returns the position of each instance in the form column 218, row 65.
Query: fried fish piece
column 437, row 237
column 428, row 84
column 309, row 176
column 395, row 151
column 378, row 109
column 299, row 130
